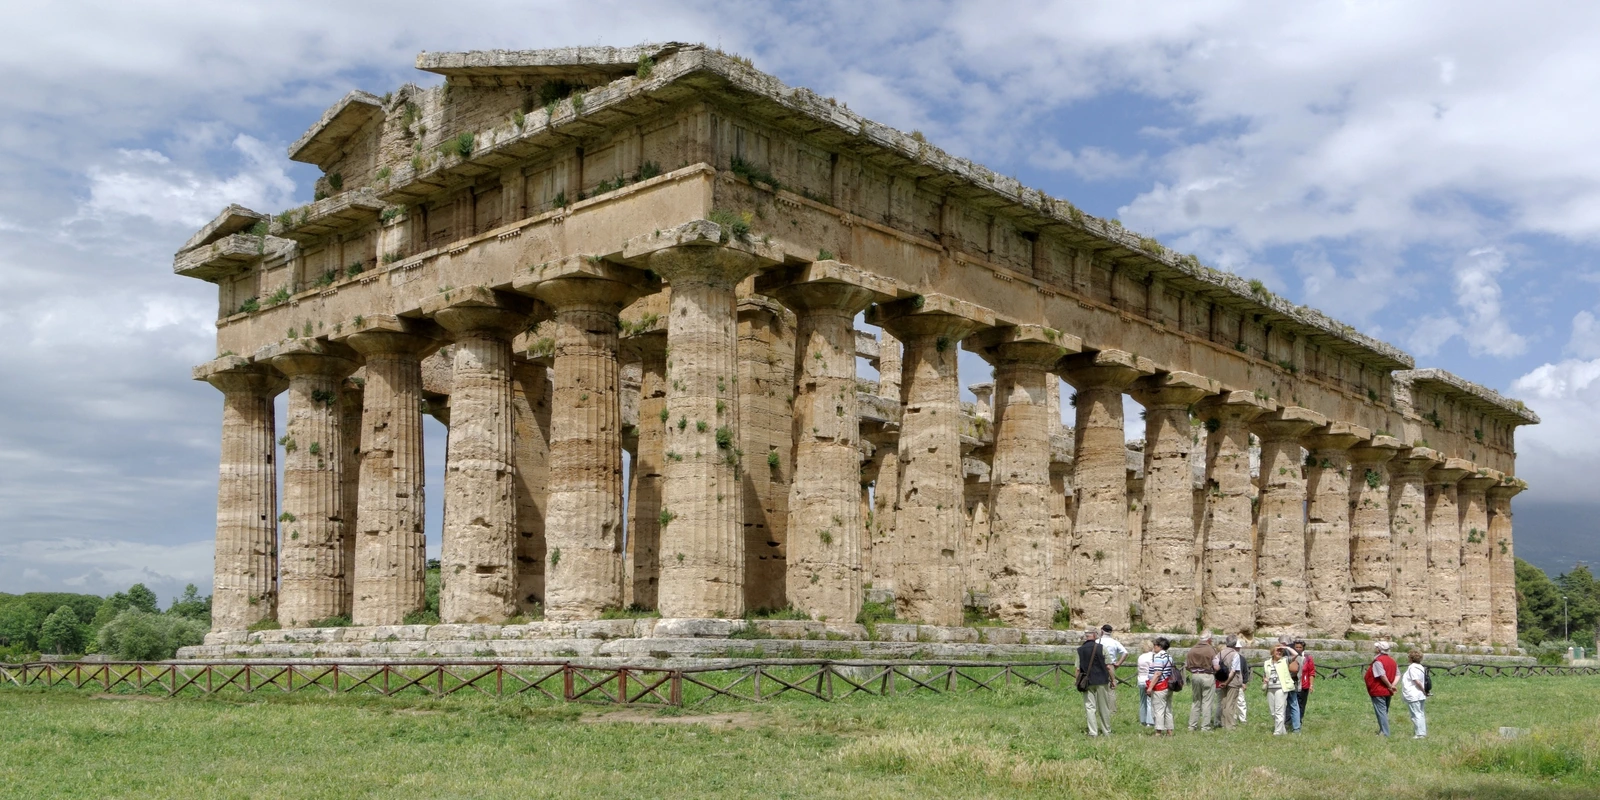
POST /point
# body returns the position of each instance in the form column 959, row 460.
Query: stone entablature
column 474, row 248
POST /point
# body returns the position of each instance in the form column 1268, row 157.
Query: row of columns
column 1318, row 545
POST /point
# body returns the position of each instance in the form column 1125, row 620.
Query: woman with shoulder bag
column 1160, row 686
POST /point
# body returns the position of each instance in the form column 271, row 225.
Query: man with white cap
column 1381, row 676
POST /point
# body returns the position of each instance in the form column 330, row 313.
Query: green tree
column 140, row 597
column 136, row 635
column 19, row 625
column 1583, row 602
column 1538, row 604
column 192, row 606
column 61, row 633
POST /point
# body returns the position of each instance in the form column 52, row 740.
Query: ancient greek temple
column 659, row 255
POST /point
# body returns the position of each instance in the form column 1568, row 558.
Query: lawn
column 1010, row 743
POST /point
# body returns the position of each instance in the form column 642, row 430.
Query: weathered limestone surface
column 530, row 411
column 823, row 576
column 702, row 534
column 1281, row 522
column 583, row 524
column 928, row 514
column 1444, row 548
column 1022, row 592
column 766, row 381
column 1476, row 591
column 644, row 504
column 350, row 423
column 885, row 488
column 1328, row 533
column 1099, row 567
column 1168, row 531
column 311, row 583
column 478, row 557
column 1370, row 544
column 246, row 589
column 1408, row 532
column 1229, row 592
column 390, row 550
column 1502, row 564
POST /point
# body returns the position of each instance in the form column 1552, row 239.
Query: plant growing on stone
column 772, row 459
column 724, row 437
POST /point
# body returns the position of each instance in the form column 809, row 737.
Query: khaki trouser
column 1277, row 707
column 1097, row 705
column 1161, row 709
column 1204, row 689
column 1230, row 706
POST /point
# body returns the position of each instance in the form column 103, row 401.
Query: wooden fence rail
column 749, row 681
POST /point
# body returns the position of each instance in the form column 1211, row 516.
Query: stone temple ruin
column 565, row 255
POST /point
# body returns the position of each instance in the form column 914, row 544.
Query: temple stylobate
column 658, row 255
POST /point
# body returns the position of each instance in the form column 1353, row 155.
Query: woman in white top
column 1413, row 690
column 1275, row 681
column 1145, row 659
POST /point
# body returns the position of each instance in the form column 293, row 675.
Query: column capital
column 1023, row 344
column 930, row 315
column 1376, row 450
column 1414, row 461
column 386, row 333
column 478, row 310
column 1109, row 369
column 823, row 285
column 238, row 375
column 578, row 281
column 701, row 252
column 1235, row 406
column 1449, row 472
column 1172, row 389
column 296, row 357
column 1289, row 422
column 1481, row 480
column 1508, row 488
column 1336, row 436
column 644, row 344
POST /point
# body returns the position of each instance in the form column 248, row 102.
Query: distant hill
column 1556, row 536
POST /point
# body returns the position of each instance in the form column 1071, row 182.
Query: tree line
column 128, row 625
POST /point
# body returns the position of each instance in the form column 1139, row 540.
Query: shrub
column 136, row 635
column 61, row 632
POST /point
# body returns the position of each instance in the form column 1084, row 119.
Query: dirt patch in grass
column 648, row 716
column 147, row 698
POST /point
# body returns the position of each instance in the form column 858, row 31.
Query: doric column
column 644, row 499
column 1228, row 592
column 1476, row 594
column 1021, row 590
column 766, row 430
column 1444, row 549
column 477, row 560
column 530, row 411
column 350, row 392
column 702, row 533
column 1502, row 563
column 1168, row 530
column 1370, row 547
column 929, row 514
column 390, row 548
column 1281, row 520
column 312, row 558
column 823, row 572
column 1328, row 527
column 1408, row 535
column 583, row 523
column 245, row 588
column 888, row 477
column 1100, row 532
column 889, row 366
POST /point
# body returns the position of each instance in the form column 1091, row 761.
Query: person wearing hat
column 1230, row 675
column 1381, row 675
column 1094, row 681
column 1201, row 664
column 1308, row 671
column 1115, row 655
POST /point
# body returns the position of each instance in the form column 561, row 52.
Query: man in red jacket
column 1381, row 675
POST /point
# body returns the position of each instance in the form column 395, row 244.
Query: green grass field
column 1011, row 743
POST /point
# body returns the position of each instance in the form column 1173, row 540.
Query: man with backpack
column 1094, row 681
column 1381, row 676
column 1232, row 673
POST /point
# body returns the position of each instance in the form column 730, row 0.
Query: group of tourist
column 1217, row 680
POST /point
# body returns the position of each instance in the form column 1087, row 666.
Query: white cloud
column 144, row 183
column 1557, row 456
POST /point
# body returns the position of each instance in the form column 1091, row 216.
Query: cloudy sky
column 1427, row 172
